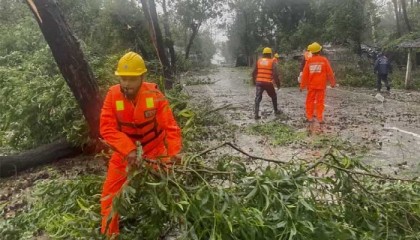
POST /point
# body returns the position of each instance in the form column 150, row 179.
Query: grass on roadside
column 282, row 134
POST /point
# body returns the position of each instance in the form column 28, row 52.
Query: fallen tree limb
column 11, row 165
column 348, row 171
column 241, row 151
column 384, row 177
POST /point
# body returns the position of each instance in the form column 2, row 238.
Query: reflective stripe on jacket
column 265, row 70
column 147, row 119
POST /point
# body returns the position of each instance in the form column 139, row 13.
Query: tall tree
column 70, row 60
column 79, row 77
column 194, row 13
column 404, row 11
column 284, row 18
column 243, row 32
column 168, row 36
column 397, row 17
column 149, row 9
column 372, row 12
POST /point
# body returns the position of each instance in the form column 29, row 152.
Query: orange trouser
column 318, row 96
column 115, row 178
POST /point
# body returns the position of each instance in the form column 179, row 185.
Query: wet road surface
column 390, row 130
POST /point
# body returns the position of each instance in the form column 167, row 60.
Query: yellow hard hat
column 131, row 64
column 276, row 55
column 267, row 50
column 314, row 47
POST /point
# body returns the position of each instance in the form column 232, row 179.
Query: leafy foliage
column 37, row 104
column 273, row 202
column 206, row 197
column 196, row 201
column 229, row 197
column 289, row 71
column 62, row 209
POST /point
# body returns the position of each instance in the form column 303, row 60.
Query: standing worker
column 306, row 55
column 264, row 76
column 134, row 111
column 276, row 58
column 382, row 68
column 316, row 73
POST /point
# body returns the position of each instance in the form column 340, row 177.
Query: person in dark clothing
column 264, row 76
column 382, row 68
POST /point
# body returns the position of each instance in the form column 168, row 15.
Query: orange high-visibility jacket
column 316, row 73
column 147, row 119
column 265, row 70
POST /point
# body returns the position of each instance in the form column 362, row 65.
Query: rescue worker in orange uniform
column 316, row 73
column 264, row 76
column 306, row 55
column 134, row 110
column 276, row 58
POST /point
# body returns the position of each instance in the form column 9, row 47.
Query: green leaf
column 307, row 206
column 160, row 204
column 205, row 199
column 83, row 207
column 293, row 232
column 281, row 224
column 180, row 206
column 252, row 193
column 155, row 183
column 229, row 225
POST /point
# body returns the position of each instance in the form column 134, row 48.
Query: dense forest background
column 35, row 97
column 225, row 195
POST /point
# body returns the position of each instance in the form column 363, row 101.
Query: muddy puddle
column 388, row 131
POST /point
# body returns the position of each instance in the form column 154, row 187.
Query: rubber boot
column 275, row 107
column 256, row 113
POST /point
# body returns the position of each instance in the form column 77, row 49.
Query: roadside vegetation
column 212, row 194
column 221, row 196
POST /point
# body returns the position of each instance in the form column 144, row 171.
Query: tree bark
column 70, row 60
column 404, row 10
column 149, row 9
column 11, row 165
column 397, row 17
column 169, row 41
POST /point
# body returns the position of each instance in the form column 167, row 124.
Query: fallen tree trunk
column 11, row 165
